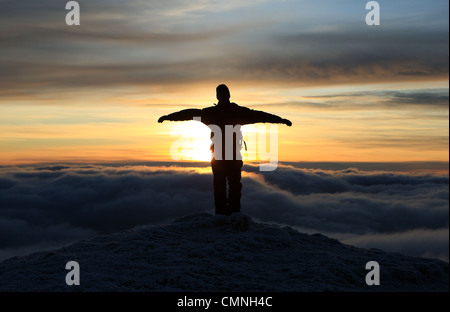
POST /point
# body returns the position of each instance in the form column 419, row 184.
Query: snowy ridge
column 203, row 252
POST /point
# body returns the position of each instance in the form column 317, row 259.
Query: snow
column 204, row 252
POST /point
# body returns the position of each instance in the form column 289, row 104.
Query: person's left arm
column 250, row 116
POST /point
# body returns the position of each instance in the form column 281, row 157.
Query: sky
column 94, row 92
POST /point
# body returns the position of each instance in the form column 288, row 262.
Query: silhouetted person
column 225, row 169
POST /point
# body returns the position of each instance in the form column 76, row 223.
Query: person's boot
column 222, row 210
column 234, row 206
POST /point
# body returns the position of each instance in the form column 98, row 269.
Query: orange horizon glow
column 94, row 92
column 121, row 129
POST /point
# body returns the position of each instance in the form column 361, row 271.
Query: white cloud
column 56, row 204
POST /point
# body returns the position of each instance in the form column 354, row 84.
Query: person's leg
column 235, row 185
column 220, row 187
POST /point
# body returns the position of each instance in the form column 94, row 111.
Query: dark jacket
column 226, row 114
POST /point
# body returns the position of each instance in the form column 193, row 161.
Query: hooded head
column 223, row 93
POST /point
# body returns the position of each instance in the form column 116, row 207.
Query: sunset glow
column 94, row 92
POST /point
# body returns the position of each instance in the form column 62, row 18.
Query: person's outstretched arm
column 186, row 114
column 251, row 116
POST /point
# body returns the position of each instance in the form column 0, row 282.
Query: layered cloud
column 153, row 43
column 413, row 101
column 48, row 206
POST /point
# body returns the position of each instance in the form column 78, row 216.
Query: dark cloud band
column 118, row 45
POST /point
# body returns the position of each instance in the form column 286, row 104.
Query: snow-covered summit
column 203, row 252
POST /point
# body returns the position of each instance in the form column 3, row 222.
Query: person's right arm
column 186, row 114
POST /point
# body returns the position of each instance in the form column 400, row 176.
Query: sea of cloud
column 48, row 206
